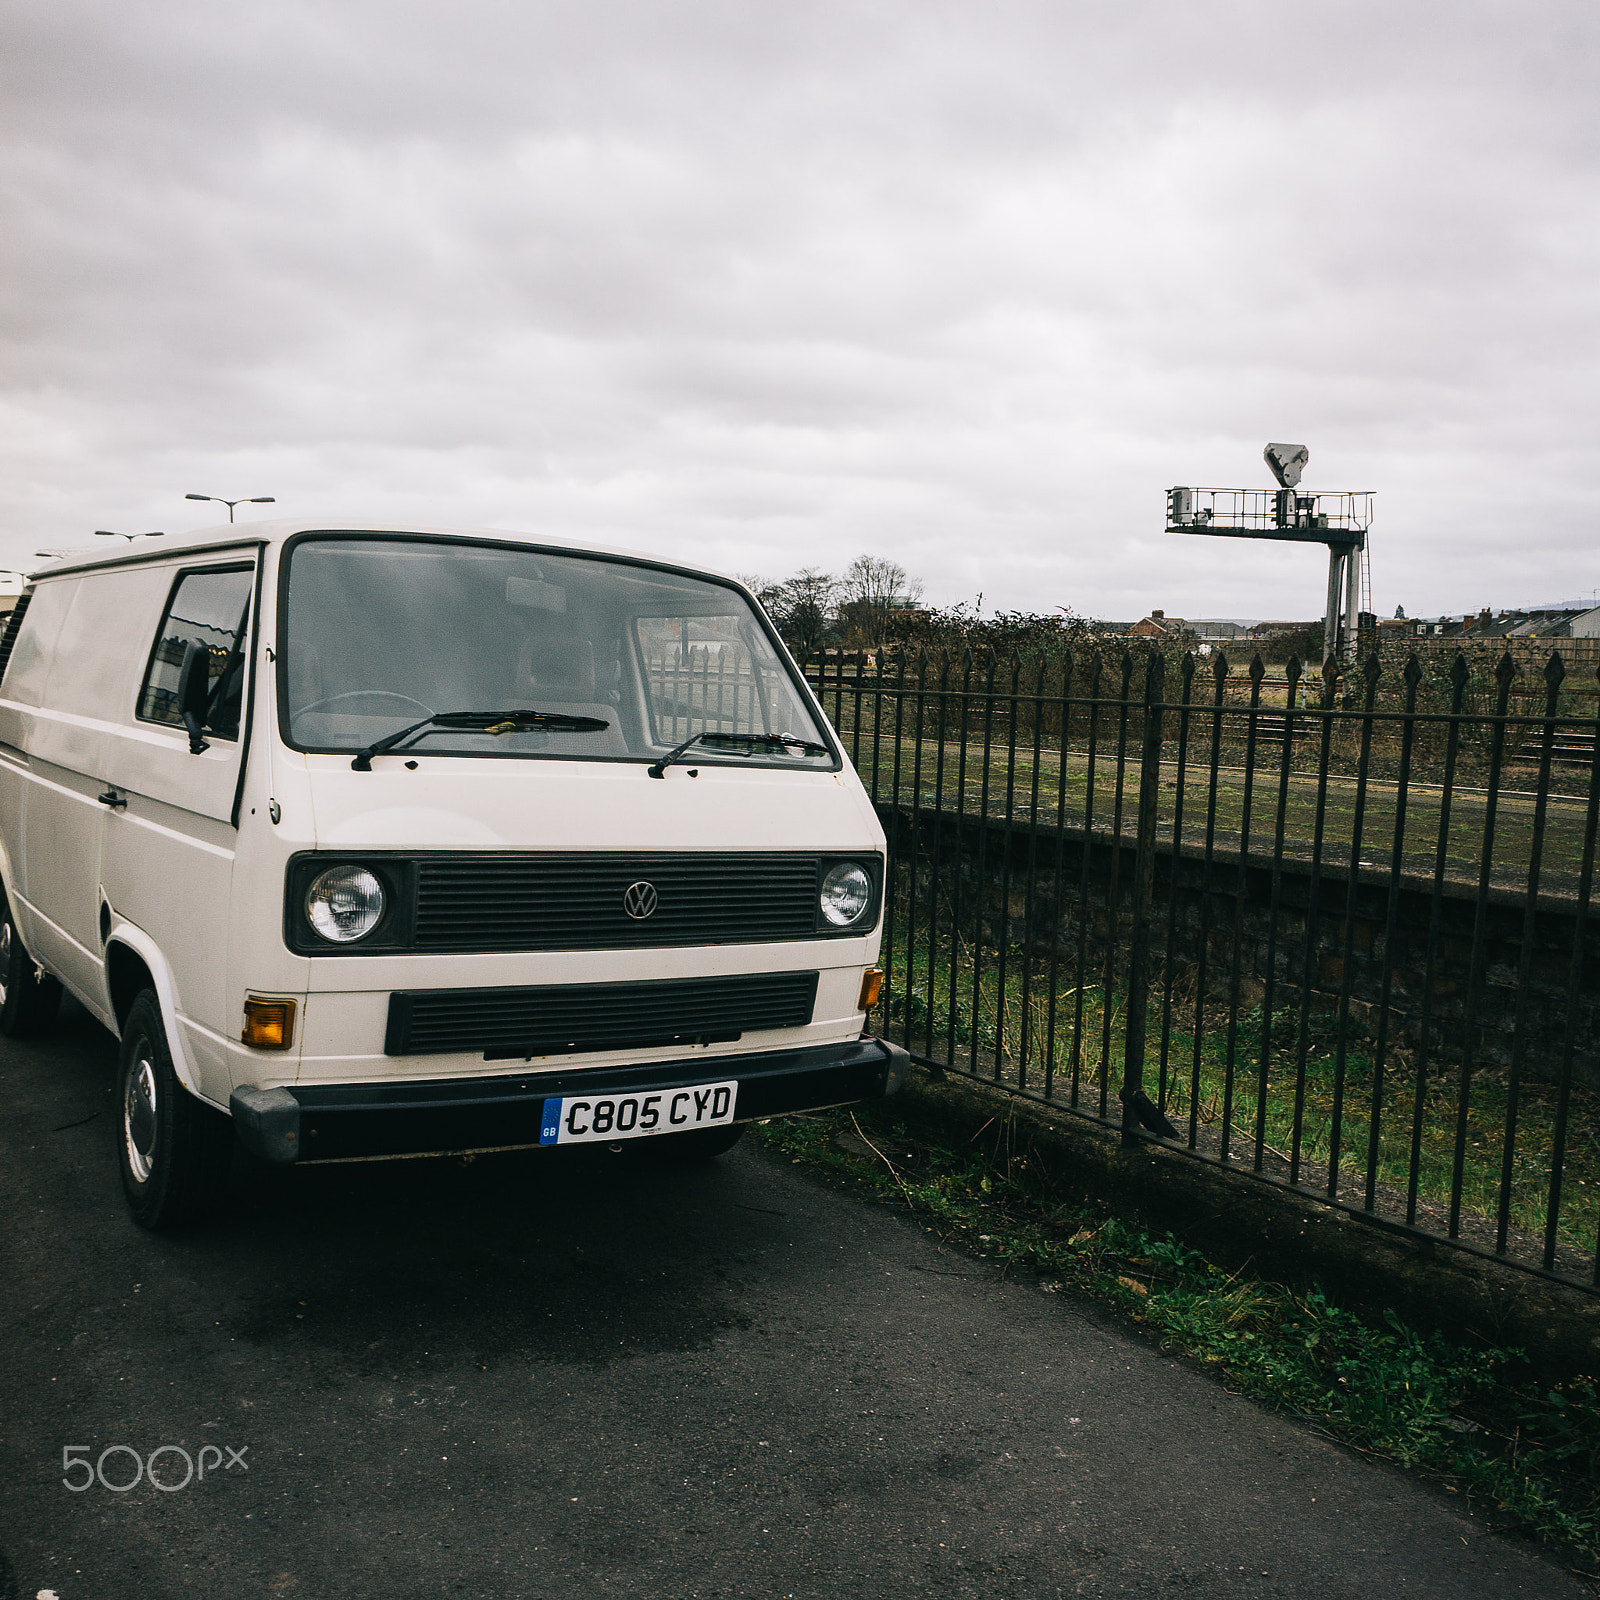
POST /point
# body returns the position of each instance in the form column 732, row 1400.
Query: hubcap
column 5, row 956
column 139, row 1119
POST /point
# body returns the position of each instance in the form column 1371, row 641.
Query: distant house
column 1158, row 625
column 1472, row 626
column 1264, row 632
column 1486, row 626
column 1218, row 630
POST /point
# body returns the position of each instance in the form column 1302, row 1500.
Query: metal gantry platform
column 1312, row 516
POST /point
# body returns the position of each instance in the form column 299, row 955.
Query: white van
column 387, row 842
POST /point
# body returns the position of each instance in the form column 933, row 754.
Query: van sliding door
column 57, row 679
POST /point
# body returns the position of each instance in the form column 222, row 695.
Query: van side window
column 8, row 639
column 211, row 609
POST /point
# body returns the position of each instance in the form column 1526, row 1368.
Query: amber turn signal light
column 871, row 988
column 268, row 1024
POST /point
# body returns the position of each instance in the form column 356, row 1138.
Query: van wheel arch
column 127, row 975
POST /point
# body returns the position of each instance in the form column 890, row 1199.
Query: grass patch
column 1468, row 1416
column 1361, row 1097
column 1005, row 790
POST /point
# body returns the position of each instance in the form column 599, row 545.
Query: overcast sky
column 768, row 285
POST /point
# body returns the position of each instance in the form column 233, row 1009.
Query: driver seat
column 555, row 672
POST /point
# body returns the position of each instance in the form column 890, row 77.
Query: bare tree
column 802, row 607
column 871, row 591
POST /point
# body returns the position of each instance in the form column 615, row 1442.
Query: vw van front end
column 561, row 849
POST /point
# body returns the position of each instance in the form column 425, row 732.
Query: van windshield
column 381, row 633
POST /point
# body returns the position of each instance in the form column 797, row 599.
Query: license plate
column 581, row 1119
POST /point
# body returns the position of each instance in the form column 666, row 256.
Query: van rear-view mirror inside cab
column 536, row 593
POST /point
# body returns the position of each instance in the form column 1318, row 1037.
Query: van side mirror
column 194, row 693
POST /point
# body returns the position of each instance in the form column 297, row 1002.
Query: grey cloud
column 966, row 286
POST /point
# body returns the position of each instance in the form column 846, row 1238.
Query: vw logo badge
column 639, row 900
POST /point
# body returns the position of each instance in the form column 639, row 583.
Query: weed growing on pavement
column 1464, row 1415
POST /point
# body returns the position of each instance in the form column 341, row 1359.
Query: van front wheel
column 173, row 1150
column 28, row 1002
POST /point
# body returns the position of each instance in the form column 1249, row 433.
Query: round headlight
column 846, row 894
column 344, row 903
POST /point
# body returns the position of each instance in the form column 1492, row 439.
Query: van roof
column 274, row 531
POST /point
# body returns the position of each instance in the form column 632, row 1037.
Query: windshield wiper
column 741, row 741
column 485, row 722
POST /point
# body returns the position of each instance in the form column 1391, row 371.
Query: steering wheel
column 361, row 694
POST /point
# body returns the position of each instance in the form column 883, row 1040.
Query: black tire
column 174, row 1151
column 28, row 1002
column 700, row 1144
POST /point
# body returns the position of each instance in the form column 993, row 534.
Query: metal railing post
column 1144, row 877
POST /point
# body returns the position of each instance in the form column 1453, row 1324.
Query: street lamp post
column 257, row 500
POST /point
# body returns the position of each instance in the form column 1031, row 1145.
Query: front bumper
column 342, row 1121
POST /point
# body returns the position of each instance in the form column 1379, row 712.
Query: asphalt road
column 563, row 1374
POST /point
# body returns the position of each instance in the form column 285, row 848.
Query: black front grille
column 561, row 1019
column 574, row 901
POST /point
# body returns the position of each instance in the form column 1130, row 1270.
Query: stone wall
column 1232, row 907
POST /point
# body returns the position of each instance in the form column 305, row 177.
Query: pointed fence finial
column 1155, row 675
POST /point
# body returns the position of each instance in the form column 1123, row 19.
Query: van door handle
column 113, row 799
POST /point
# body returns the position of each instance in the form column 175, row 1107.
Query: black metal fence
column 1333, row 935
